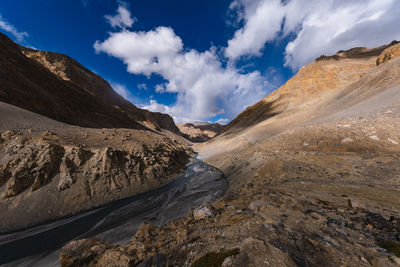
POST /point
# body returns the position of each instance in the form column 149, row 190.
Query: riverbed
column 116, row 222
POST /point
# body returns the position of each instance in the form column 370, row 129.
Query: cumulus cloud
column 122, row 19
column 156, row 107
column 263, row 21
column 142, row 51
column 222, row 121
column 6, row 26
column 319, row 27
column 204, row 87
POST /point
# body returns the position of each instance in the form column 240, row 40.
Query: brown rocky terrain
column 201, row 131
column 314, row 179
column 49, row 169
column 58, row 87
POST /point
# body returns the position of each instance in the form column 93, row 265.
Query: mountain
column 50, row 169
column 313, row 172
column 310, row 94
column 313, row 168
column 58, row 87
column 200, row 131
column 69, row 143
column 313, row 81
column 348, row 102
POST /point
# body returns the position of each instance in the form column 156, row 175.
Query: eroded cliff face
column 389, row 53
column 45, row 175
column 200, row 132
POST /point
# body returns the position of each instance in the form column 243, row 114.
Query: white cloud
column 263, row 21
column 204, row 87
column 141, row 51
column 122, row 19
column 142, row 86
column 320, row 27
column 160, row 88
column 156, row 107
column 6, row 26
column 223, row 121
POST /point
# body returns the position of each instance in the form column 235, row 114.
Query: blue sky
column 198, row 60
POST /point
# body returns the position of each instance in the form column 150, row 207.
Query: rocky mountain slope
column 312, row 82
column 49, row 169
column 200, row 131
column 58, row 87
column 314, row 178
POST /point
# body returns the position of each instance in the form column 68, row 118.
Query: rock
column 388, row 54
column 341, row 210
column 228, row 262
column 81, row 252
column 374, row 137
column 202, row 213
column 159, row 260
column 219, row 205
column 392, row 141
column 395, row 260
column 318, row 217
column 347, row 140
column 267, row 212
column 201, row 131
column 237, row 218
column 355, row 204
column 81, row 177
column 214, row 258
column 32, row 165
column 257, row 205
column 115, row 257
column 377, row 220
column 147, row 231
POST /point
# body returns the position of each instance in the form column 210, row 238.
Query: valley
column 307, row 176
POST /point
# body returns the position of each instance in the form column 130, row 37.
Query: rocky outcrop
column 257, row 225
column 389, row 53
column 200, row 132
column 27, row 165
column 57, row 178
column 58, row 87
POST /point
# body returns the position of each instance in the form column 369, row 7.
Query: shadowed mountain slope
column 312, row 83
column 57, row 86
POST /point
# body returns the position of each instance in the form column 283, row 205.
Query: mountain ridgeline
column 58, row 87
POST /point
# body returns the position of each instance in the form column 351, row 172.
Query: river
column 116, row 222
